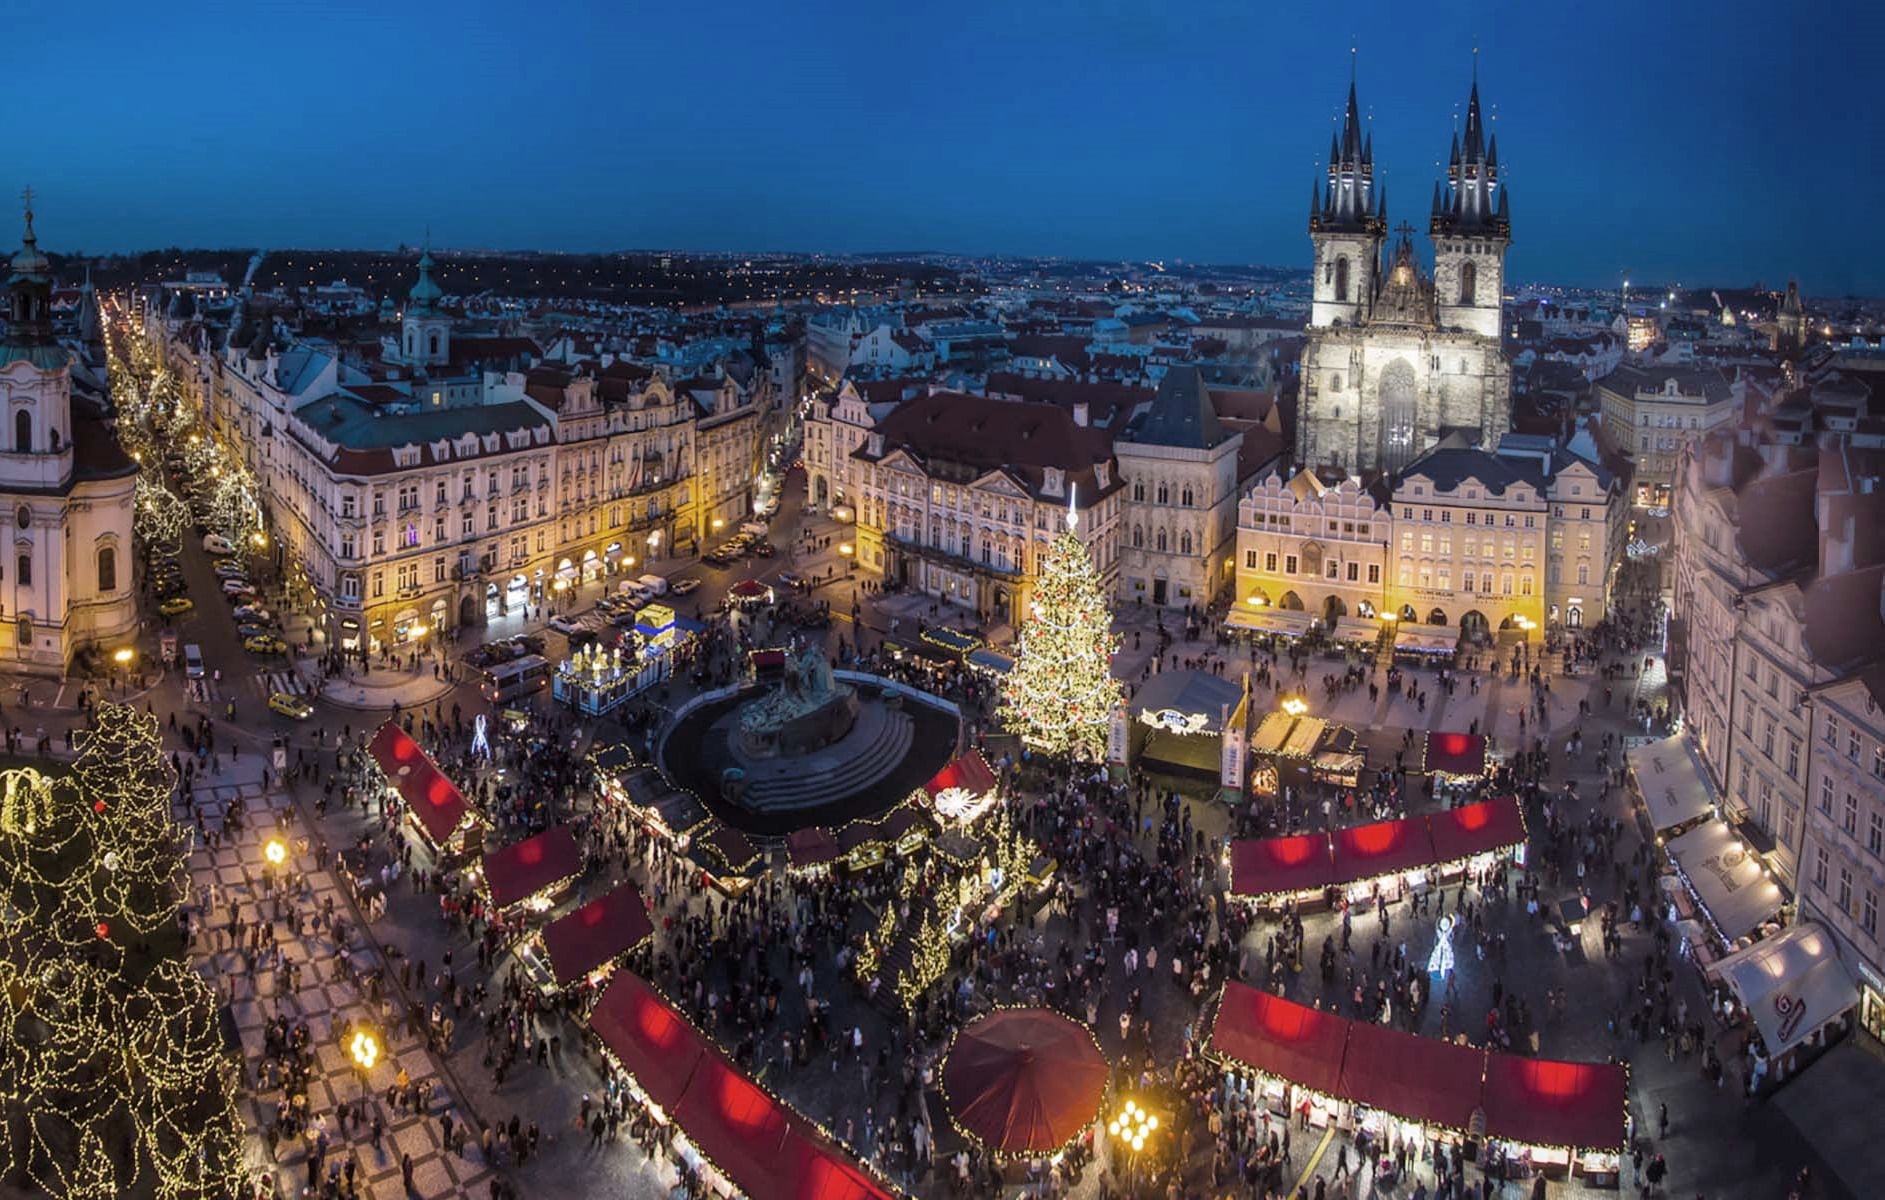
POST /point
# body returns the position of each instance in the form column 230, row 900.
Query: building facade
column 1654, row 413
column 1313, row 545
column 960, row 496
column 1396, row 359
column 66, row 492
column 1180, row 526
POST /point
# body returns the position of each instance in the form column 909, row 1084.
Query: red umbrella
column 1022, row 1080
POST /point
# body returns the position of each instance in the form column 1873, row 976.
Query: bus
column 520, row 679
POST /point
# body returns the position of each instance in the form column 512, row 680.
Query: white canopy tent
column 1726, row 878
column 1287, row 622
column 1356, row 629
column 1674, row 783
column 1792, row 983
column 1427, row 639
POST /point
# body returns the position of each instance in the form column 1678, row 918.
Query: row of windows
column 1843, row 892
column 106, row 562
column 1163, row 492
column 1472, row 518
column 1470, row 581
column 1332, row 569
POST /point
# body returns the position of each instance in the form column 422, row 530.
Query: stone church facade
column 1396, row 358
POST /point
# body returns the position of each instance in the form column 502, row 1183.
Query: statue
column 808, row 709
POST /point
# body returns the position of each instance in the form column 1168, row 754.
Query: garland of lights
column 120, row 1085
column 1061, row 693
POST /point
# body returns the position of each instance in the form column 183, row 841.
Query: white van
column 216, row 543
column 193, row 660
column 654, row 585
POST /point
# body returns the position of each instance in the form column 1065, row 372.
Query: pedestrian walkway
column 322, row 997
column 384, row 687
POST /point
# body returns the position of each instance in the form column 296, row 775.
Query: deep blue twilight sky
column 1687, row 140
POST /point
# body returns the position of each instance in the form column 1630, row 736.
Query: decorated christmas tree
column 1060, row 696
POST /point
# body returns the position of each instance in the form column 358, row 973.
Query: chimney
column 1080, row 413
column 1836, row 546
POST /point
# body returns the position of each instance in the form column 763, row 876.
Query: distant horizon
column 1679, row 144
column 1644, row 285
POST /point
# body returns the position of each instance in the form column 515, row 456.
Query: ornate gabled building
column 65, row 489
column 1396, row 359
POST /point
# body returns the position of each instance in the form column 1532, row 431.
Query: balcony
column 945, row 558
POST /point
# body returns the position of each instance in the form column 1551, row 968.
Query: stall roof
column 652, row 1041
column 1272, row 733
column 1426, row 1079
column 1272, row 1035
column 1478, row 828
column 1356, row 629
column 1792, row 982
column 991, row 660
column 1303, row 739
column 812, row 1168
column 1539, row 1102
column 1196, row 695
column 1461, row 754
column 522, row 869
column 597, row 933
column 1286, row 622
column 1726, row 878
column 1381, row 848
column 811, row 847
column 951, row 640
column 736, row 1124
column 730, row 847
column 1673, row 781
column 1427, row 639
column 968, row 771
column 1273, row 866
column 434, row 800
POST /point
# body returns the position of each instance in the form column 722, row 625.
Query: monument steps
column 884, row 746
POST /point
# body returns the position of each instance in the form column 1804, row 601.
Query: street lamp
column 1133, row 1125
column 1257, row 600
column 1295, row 705
column 124, row 656
column 275, row 852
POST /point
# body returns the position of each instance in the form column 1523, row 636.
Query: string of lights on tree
column 112, row 1066
column 1059, row 698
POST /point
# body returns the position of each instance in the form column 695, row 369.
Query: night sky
column 1683, row 140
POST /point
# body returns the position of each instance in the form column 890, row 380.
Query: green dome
column 425, row 294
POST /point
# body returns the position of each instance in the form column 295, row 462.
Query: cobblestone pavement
column 321, row 999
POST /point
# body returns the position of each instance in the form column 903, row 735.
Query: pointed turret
column 1436, row 198
column 29, row 304
column 1349, row 203
column 1492, row 157
column 1475, row 145
column 1315, row 199
column 1472, row 201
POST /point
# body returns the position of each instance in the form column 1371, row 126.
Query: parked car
column 298, row 707
column 265, row 644
column 683, row 586
column 654, row 585
column 229, row 570
column 216, row 543
column 237, row 587
column 563, row 624
column 252, row 612
column 176, row 606
column 249, row 629
column 765, row 549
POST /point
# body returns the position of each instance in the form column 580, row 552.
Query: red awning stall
column 963, row 790
column 1279, row 866
column 1290, row 1041
column 532, row 870
column 811, row 1168
column 1381, row 848
column 433, row 800
column 655, row 1045
column 1462, row 755
column 735, row 1125
column 1488, row 827
column 595, row 936
column 1024, row 1081
column 1416, row 1078
column 1539, row 1102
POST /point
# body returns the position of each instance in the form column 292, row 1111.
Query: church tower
column 426, row 340
column 1471, row 227
column 34, row 375
column 1790, row 321
column 1347, row 225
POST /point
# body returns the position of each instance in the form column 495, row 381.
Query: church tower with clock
column 1397, row 359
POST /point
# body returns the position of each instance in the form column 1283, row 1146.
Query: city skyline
column 1061, row 131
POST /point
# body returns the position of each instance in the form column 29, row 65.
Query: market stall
column 1560, row 1115
column 963, row 790
column 1360, row 631
column 727, row 857
column 1486, row 827
column 1671, row 782
column 811, row 850
column 533, row 872
column 1275, row 1037
column 1267, row 619
column 1792, row 984
column 1024, row 1080
column 1421, row 642
column 1455, row 755
column 433, row 803
column 650, row 1042
column 588, row 942
column 1278, row 866
column 991, row 662
column 1178, row 722
column 1426, row 1080
column 1367, row 852
column 1726, row 880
